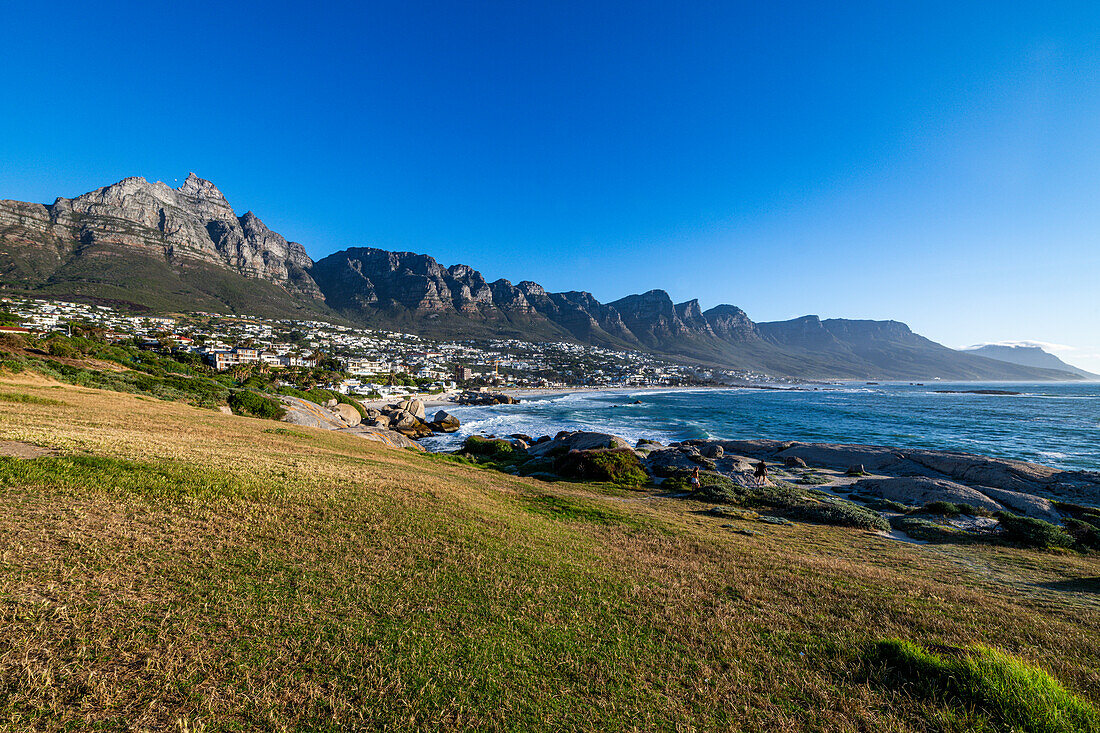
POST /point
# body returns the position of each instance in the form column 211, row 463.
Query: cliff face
column 190, row 224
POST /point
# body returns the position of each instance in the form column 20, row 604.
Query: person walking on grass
column 761, row 474
column 695, row 483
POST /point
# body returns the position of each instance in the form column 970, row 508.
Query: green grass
column 29, row 399
column 572, row 510
column 177, row 569
column 982, row 689
column 160, row 481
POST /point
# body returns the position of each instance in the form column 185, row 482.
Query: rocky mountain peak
column 205, row 198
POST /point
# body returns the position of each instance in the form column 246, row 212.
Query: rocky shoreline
column 911, row 494
column 399, row 424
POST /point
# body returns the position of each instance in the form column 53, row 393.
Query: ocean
column 1057, row 424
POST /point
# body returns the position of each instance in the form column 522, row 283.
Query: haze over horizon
column 934, row 165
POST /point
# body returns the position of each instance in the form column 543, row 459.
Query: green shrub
column 320, row 396
column 490, row 447
column 618, row 466
column 979, row 688
column 882, row 505
column 12, row 366
column 1030, row 532
column 940, row 508
column 1086, row 535
column 62, row 347
column 785, row 500
column 247, row 402
column 922, row 529
column 839, row 513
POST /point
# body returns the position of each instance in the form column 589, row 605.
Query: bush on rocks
column 1086, row 535
column 1029, row 532
column 787, row 501
column 923, row 529
column 615, row 465
column 488, row 447
column 840, row 513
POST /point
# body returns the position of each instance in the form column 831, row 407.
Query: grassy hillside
column 169, row 567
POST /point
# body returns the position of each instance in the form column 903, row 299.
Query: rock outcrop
column 1001, row 479
column 343, row 418
column 191, row 223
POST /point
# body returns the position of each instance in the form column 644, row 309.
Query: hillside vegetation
column 164, row 566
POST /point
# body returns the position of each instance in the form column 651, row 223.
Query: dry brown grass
column 222, row 573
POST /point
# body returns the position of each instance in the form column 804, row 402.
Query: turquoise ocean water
column 1055, row 424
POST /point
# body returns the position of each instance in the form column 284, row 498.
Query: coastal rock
column 580, row 440
column 445, row 422
column 921, row 490
column 794, row 462
column 485, row 398
column 1026, row 504
column 712, row 451
column 309, row 414
column 416, row 408
column 409, row 424
column 667, row 462
column 389, row 438
column 349, row 414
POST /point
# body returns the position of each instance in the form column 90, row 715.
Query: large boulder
column 1026, row 504
column 349, row 414
column 408, row 424
column 309, row 414
column 388, row 438
column 673, row 461
column 921, row 490
column 444, row 422
column 580, row 440
column 416, row 407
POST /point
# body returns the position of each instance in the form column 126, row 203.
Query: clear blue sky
column 936, row 163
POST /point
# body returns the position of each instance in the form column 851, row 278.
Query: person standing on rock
column 761, row 472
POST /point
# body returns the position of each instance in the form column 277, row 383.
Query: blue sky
column 926, row 162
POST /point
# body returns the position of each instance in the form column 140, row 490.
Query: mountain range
column 149, row 247
column 1028, row 355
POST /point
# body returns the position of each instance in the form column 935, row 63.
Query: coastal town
column 372, row 362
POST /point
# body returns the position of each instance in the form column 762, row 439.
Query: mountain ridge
column 1028, row 355
column 150, row 246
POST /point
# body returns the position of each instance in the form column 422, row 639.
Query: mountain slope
column 1034, row 356
column 147, row 246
